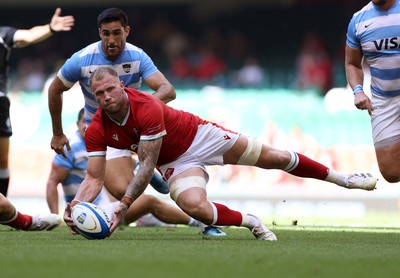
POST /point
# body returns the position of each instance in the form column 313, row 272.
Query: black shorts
column 5, row 123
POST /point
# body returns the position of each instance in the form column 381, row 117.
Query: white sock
column 249, row 221
column 337, row 178
column 193, row 222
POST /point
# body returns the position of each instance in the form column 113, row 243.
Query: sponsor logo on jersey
column 388, row 43
column 126, row 68
column 115, row 137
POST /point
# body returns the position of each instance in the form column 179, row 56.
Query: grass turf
column 301, row 251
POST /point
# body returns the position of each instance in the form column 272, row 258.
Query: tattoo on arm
column 148, row 152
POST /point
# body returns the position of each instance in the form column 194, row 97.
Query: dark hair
column 111, row 15
column 80, row 114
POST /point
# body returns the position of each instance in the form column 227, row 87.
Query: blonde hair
column 101, row 72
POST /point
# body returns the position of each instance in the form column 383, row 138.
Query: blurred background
column 273, row 69
column 203, row 42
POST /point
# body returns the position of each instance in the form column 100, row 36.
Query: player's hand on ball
column 68, row 220
column 119, row 214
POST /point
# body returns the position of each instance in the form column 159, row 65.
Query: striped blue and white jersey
column 377, row 33
column 132, row 65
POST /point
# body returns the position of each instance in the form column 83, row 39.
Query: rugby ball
column 90, row 221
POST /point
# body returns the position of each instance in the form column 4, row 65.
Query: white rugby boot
column 364, row 181
column 45, row 223
column 261, row 232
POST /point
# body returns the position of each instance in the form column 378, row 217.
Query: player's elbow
column 172, row 93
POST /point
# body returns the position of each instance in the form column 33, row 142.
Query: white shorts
column 115, row 153
column 208, row 147
column 385, row 120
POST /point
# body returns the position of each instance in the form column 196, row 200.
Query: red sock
column 308, row 168
column 22, row 222
column 227, row 217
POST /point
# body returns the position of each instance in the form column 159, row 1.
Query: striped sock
column 302, row 166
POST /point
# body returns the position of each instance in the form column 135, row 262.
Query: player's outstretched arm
column 58, row 23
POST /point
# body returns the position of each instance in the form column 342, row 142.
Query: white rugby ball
column 90, row 221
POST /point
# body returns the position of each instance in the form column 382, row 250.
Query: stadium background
column 320, row 124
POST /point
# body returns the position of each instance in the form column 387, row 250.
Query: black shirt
column 6, row 44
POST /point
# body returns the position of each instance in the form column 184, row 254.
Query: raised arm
column 58, row 23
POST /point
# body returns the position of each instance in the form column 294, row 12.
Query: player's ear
column 127, row 30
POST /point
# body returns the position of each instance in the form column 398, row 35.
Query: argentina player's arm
column 55, row 103
column 57, row 175
column 353, row 65
column 162, row 87
column 355, row 78
column 354, row 56
column 155, row 79
column 65, row 79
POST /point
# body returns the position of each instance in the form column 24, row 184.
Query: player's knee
column 196, row 208
column 183, row 184
column 189, row 194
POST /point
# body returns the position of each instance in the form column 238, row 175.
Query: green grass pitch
column 301, row 251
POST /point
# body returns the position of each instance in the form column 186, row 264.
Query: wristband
column 51, row 29
column 127, row 201
column 357, row 89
